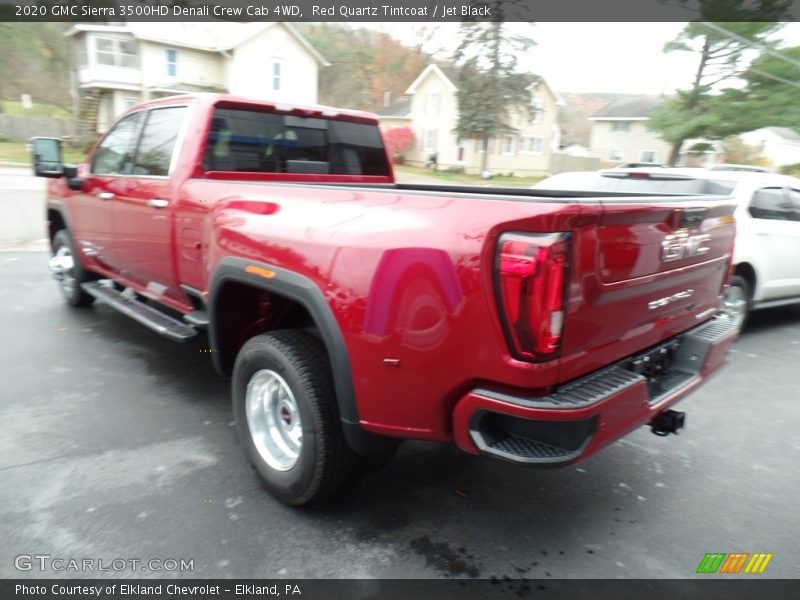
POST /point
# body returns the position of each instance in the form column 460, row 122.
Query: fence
column 21, row 129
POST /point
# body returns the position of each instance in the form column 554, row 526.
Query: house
column 780, row 145
column 430, row 109
column 119, row 65
column 620, row 134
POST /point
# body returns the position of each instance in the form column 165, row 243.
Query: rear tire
column 71, row 273
column 737, row 301
column 287, row 416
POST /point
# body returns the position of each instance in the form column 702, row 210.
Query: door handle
column 105, row 195
column 158, row 203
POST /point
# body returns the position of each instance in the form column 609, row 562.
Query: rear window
column 244, row 140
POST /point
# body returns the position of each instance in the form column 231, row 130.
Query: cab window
column 160, row 132
column 114, row 155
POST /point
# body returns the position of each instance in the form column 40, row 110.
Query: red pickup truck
column 353, row 312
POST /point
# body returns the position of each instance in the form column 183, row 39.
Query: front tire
column 68, row 271
column 287, row 416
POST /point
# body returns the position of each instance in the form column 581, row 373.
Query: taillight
column 531, row 284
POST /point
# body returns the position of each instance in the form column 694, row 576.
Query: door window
column 794, row 196
column 771, row 203
column 114, row 155
column 154, row 154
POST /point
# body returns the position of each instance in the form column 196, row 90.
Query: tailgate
column 652, row 268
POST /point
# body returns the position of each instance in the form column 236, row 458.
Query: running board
column 144, row 314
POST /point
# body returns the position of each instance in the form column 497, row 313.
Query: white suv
column 767, row 252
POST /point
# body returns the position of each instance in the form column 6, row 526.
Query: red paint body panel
column 408, row 274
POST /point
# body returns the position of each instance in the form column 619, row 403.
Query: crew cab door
column 775, row 221
column 90, row 210
column 142, row 223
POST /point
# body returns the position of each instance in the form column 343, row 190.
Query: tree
column 721, row 50
column 737, row 152
column 770, row 97
column 490, row 89
column 365, row 64
column 398, row 140
column 34, row 59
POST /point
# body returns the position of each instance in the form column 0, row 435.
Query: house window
column 116, row 53
column 532, row 145
column 429, row 139
column 509, row 144
column 649, row 156
column 462, row 151
column 491, row 145
column 276, row 75
column 620, row 126
column 615, row 155
column 80, row 53
column 536, row 111
column 432, row 104
column 172, row 62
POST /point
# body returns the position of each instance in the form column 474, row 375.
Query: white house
column 118, row 65
column 780, row 145
column 620, row 134
column 430, row 109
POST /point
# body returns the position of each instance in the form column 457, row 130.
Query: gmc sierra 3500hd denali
column 353, row 312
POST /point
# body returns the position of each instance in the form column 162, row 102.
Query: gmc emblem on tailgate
column 680, row 245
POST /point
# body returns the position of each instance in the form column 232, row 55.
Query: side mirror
column 46, row 157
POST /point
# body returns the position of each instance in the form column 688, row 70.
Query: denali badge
column 682, row 245
column 669, row 299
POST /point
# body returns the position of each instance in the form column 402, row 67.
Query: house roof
column 637, row 108
column 401, row 108
column 450, row 81
column 449, row 74
column 785, row 132
column 210, row 37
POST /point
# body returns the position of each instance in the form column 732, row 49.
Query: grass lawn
column 463, row 179
column 14, row 108
column 18, row 152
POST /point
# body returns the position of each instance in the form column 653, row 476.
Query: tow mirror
column 46, row 157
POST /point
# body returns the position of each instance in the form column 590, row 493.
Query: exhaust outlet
column 669, row 421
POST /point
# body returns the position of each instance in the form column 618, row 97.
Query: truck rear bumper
column 589, row 413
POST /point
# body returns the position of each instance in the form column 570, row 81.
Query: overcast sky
column 597, row 57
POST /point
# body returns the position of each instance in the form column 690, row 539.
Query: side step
column 146, row 315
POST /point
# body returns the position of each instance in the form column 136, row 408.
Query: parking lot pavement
column 118, row 444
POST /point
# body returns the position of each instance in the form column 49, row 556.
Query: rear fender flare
column 305, row 292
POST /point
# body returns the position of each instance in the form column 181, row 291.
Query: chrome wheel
column 273, row 420
column 62, row 266
column 734, row 305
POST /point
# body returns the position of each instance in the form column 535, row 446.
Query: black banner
column 397, row 10
column 734, row 588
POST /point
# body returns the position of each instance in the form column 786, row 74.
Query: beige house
column 118, row 65
column 430, row 109
column 620, row 134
